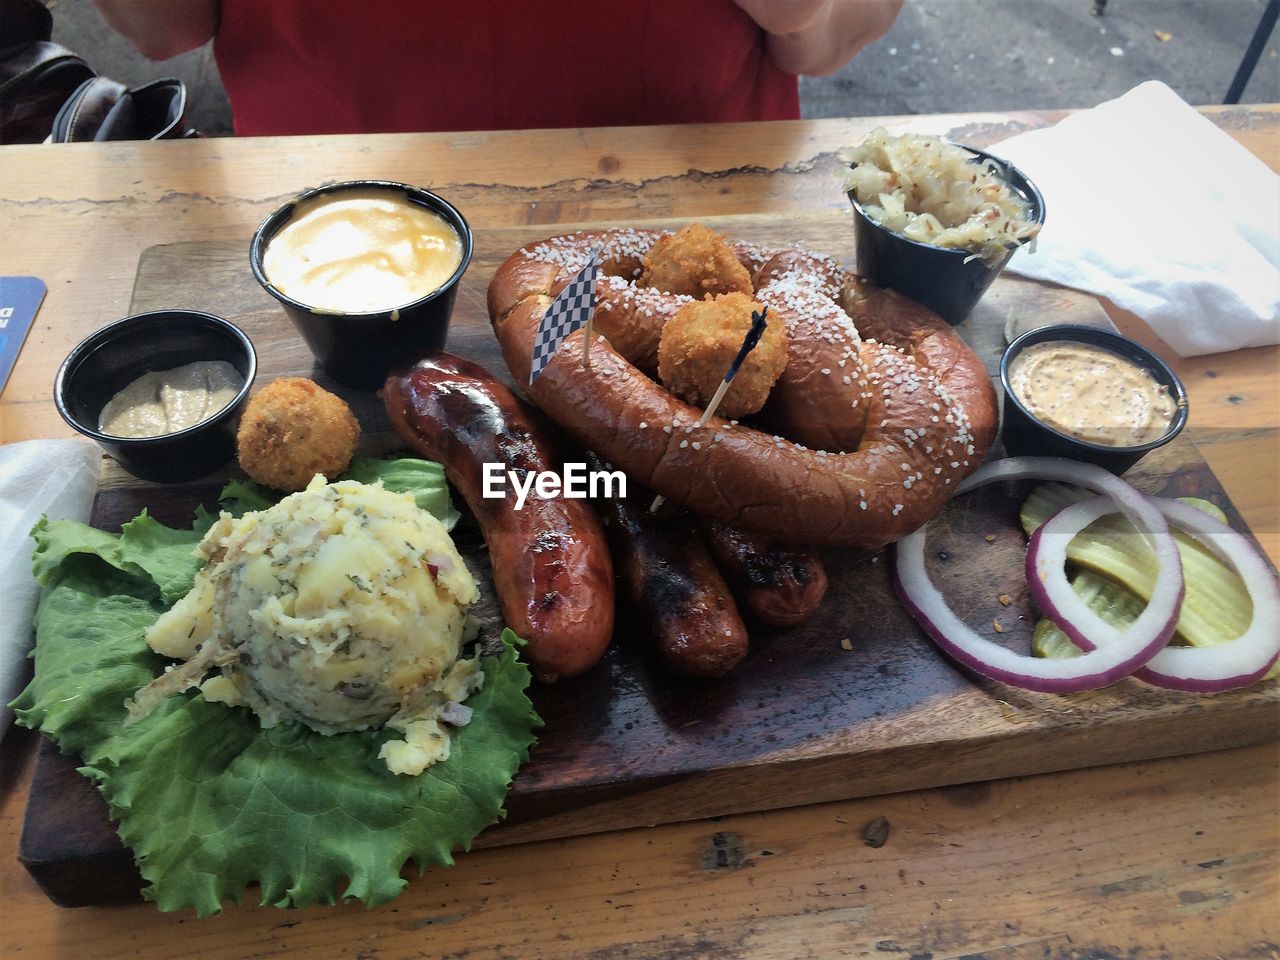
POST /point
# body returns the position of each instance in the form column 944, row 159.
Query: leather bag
column 102, row 109
column 49, row 94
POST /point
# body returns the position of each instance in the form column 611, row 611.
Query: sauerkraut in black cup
column 935, row 220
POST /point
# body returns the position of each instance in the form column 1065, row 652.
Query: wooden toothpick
column 752, row 338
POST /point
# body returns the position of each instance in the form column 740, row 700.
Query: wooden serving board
column 855, row 702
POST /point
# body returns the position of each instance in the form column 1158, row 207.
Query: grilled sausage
column 674, row 585
column 551, row 565
column 774, row 583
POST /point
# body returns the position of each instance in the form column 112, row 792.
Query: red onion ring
column 1098, row 667
column 1225, row 666
column 1058, row 600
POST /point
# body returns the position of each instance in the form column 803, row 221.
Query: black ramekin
column 1024, row 435
column 944, row 279
column 359, row 349
column 109, row 359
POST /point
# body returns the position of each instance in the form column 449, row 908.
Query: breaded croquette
column 700, row 342
column 695, row 261
column 293, row 429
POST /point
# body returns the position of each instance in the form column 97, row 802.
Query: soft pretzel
column 873, row 434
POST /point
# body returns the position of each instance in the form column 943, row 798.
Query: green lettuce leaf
column 56, row 540
column 89, row 655
column 166, row 556
column 145, row 548
column 208, row 801
column 422, row 478
column 244, row 496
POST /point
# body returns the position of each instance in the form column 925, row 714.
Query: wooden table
column 1173, row 858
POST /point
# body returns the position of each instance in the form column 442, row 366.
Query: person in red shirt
column 320, row 66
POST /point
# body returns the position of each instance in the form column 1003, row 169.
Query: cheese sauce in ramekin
column 361, row 251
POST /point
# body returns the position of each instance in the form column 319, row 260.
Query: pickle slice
column 1113, row 603
column 1117, row 572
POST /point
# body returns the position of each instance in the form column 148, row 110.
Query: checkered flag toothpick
column 569, row 311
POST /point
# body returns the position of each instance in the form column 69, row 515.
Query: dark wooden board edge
column 95, row 868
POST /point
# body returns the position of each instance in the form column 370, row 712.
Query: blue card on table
column 20, row 298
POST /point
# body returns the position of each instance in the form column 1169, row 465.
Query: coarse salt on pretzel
column 881, row 410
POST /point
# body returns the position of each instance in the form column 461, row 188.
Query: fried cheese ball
column 695, row 261
column 293, row 429
column 700, row 341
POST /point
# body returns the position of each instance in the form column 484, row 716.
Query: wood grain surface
column 1171, row 858
column 1164, row 860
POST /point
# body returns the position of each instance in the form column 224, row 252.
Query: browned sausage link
column 775, row 583
column 551, row 565
column 674, row 585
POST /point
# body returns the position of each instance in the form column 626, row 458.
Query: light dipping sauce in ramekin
column 1091, row 394
column 165, row 401
column 361, row 251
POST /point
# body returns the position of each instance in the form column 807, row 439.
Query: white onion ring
column 1225, row 666
column 1095, row 668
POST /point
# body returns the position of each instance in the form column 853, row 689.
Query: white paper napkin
column 52, row 477
column 1151, row 205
